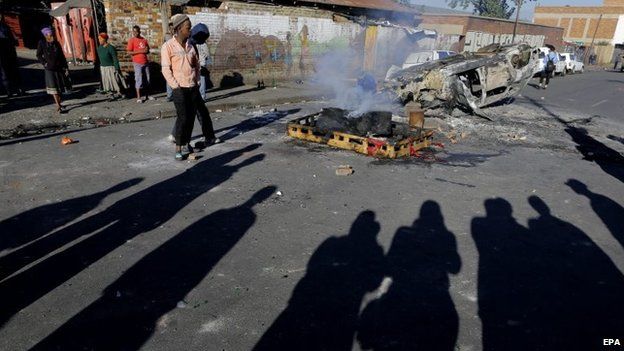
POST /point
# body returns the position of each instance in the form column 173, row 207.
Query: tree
column 487, row 8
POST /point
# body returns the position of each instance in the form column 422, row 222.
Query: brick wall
column 613, row 3
column 122, row 15
column 579, row 23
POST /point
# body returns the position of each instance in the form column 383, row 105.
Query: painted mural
column 265, row 42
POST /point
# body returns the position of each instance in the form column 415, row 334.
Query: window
column 443, row 54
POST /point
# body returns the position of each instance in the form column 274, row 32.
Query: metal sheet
column 387, row 5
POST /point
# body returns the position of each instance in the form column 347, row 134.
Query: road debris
column 67, row 140
column 344, row 170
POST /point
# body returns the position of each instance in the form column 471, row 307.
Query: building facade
column 476, row 32
column 604, row 25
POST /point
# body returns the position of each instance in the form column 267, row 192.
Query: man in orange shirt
column 139, row 48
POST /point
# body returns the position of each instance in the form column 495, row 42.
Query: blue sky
column 527, row 9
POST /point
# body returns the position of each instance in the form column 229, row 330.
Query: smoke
column 339, row 72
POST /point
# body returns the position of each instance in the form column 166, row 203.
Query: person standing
column 168, row 36
column 199, row 35
column 9, row 74
column 550, row 61
column 138, row 48
column 180, row 67
column 109, row 67
column 50, row 55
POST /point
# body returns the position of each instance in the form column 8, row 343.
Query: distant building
column 581, row 23
column 475, row 32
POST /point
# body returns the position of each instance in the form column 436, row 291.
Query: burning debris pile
column 368, row 124
column 471, row 81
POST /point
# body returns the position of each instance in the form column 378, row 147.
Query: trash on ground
column 344, row 170
column 67, row 141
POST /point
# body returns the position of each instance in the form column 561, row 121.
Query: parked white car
column 560, row 66
column 420, row 57
column 572, row 64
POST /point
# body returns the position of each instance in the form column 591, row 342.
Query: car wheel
column 582, row 70
column 563, row 73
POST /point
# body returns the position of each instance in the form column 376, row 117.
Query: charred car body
column 472, row 81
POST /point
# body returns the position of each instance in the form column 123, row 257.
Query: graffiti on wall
column 268, row 41
column 476, row 40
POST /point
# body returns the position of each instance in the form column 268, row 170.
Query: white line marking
column 599, row 103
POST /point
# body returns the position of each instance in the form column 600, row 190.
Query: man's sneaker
column 545, row 86
column 139, row 101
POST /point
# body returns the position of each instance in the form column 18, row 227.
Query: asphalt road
column 110, row 244
column 594, row 93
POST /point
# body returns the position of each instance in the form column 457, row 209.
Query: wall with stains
column 274, row 44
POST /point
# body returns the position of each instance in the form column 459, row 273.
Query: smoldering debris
column 377, row 123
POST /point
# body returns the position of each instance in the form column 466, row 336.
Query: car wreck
column 470, row 81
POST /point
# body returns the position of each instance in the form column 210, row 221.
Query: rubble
column 470, row 81
column 344, row 170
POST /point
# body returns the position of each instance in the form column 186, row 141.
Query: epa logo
column 611, row 342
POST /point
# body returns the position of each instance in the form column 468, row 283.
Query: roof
column 431, row 10
column 386, row 5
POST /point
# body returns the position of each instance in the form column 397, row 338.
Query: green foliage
column 486, row 8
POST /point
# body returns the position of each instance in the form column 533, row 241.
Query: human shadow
column 255, row 123
column 126, row 314
column 416, row 313
column 35, row 223
column 234, row 93
column 323, row 311
column 545, row 287
column 610, row 212
column 611, row 161
column 127, row 218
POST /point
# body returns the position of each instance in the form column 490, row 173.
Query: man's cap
column 177, row 20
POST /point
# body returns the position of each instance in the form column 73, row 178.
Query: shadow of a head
column 365, row 225
column 260, row 196
column 539, row 205
column 498, row 208
column 430, row 212
column 578, row 186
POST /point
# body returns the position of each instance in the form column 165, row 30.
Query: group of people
column 184, row 57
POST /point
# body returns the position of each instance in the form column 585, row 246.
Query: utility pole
column 591, row 47
column 519, row 5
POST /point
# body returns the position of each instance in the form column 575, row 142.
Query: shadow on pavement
column 127, row 313
column 322, row 313
column 416, row 313
column 33, row 224
column 127, row 218
column 254, row 123
column 611, row 161
column 547, row 286
column 610, row 212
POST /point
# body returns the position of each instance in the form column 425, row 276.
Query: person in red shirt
column 138, row 48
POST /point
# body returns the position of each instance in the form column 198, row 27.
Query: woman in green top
column 109, row 67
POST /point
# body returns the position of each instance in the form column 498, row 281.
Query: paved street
column 508, row 238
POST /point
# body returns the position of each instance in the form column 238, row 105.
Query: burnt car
column 470, row 81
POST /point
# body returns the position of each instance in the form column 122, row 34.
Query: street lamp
column 518, row 5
